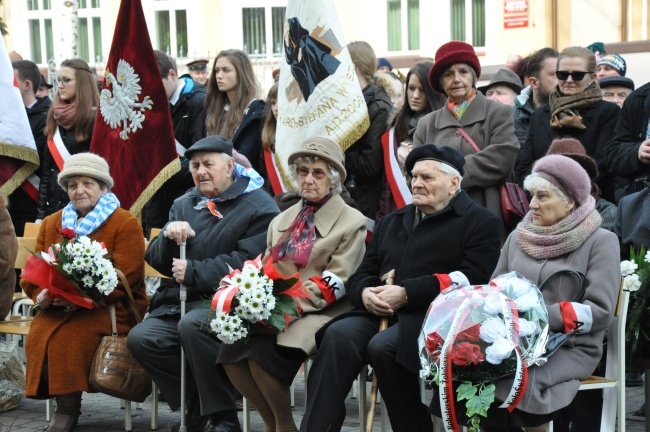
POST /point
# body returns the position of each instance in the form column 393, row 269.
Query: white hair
column 333, row 174
column 537, row 182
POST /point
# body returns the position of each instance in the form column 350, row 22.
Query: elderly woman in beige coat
column 470, row 116
column 322, row 238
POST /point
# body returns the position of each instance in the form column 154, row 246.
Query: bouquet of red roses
column 76, row 269
column 474, row 335
column 257, row 293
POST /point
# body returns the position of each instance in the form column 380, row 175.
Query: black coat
column 364, row 160
column 239, row 236
column 464, row 237
column 248, row 137
column 23, row 207
column 188, row 119
column 622, row 151
column 51, row 197
column 599, row 118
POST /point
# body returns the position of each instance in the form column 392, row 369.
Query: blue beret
column 444, row 154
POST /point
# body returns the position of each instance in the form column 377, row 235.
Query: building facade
column 48, row 31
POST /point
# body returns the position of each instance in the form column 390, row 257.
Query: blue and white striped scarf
column 97, row 216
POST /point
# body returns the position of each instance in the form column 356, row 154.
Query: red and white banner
column 18, row 155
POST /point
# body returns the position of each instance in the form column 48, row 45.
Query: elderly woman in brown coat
column 560, row 232
column 63, row 337
column 8, row 253
column 479, row 128
column 322, row 238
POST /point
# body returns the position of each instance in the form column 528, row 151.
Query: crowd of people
column 567, row 126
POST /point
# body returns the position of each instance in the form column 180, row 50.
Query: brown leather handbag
column 514, row 202
column 115, row 371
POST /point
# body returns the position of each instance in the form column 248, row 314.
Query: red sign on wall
column 515, row 21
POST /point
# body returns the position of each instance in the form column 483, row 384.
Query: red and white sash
column 57, row 148
column 179, row 148
column 398, row 186
column 31, row 185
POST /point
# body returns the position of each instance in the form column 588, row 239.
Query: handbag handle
column 127, row 288
column 468, row 139
column 581, row 277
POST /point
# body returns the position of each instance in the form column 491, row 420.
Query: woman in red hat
column 480, row 129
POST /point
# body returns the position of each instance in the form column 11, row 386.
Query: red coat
column 68, row 340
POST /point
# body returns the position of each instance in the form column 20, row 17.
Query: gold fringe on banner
column 27, row 155
column 356, row 132
column 165, row 174
column 284, row 175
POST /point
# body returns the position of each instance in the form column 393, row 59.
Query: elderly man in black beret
column 442, row 238
column 224, row 220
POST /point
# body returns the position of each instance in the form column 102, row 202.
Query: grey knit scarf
column 543, row 242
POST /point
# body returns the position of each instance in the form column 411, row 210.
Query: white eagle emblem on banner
column 121, row 108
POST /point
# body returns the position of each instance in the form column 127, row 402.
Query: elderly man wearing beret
column 442, row 237
column 224, row 220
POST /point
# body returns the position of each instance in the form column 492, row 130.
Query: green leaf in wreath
column 466, row 391
column 276, row 320
column 286, row 304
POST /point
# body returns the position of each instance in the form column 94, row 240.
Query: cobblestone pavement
column 103, row 413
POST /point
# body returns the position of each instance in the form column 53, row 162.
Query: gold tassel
column 356, row 132
column 165, row 174
column 29, row 156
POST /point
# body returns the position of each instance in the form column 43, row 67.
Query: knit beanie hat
column 451, row 53
column 381, row 61
column 614, row 61
column 88, row 165
column 565, row 174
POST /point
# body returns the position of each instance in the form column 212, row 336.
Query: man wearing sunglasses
column 576, row 109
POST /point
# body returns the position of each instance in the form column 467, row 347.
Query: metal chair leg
column 154, row 406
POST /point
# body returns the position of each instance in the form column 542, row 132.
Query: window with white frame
column 90, row 31
column 39, row 26
column 259, row 39
column 468, row 21
column 403, row 24
column 171, row 32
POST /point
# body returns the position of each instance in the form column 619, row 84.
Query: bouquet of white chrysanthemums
column 636, row 274
column 255, row 295
column 76, row 269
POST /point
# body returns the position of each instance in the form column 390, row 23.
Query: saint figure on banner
column 311, row 60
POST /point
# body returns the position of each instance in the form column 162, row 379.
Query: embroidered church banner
column 319, row 94
column 18, row 155
column 133, row 129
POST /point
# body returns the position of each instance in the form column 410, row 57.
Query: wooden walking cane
column 388, row 279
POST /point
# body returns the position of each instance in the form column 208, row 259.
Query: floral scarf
column 458, row 109
column 298, row 240
column 565, row 110
column 65, row 113
column 543, row 242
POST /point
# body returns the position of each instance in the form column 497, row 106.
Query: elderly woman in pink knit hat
column 560, row 232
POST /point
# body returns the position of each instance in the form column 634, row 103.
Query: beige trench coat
column 490, row 125
column 339, row 248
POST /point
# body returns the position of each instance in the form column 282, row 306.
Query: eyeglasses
column 64, row 81
column 576, row 75
column 318, row 174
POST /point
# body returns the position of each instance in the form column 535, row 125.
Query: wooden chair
column 613, row 383
column 31, row 229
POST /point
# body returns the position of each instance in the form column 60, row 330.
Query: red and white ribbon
column 222, row 300
column 396, row 181
column 447, row 406
column 511, row 319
